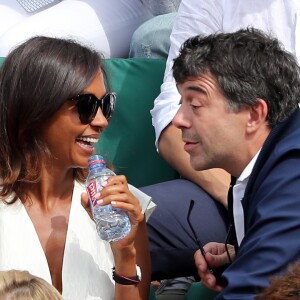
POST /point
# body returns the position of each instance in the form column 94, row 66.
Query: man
column 239, row 112
column 207, row 187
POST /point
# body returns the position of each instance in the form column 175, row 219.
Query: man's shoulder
column 282, row 139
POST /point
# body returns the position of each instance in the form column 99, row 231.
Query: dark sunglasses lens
column 108, row 105
column 87, row 107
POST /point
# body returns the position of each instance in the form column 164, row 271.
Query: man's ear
column 257, row 115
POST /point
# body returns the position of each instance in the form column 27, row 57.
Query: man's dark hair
column 247, row 64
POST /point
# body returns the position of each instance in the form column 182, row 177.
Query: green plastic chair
column 152, row 293
column 128, row 142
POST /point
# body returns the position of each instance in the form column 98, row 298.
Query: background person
column 283, row 287
column 22, row 285
column 152, row 38
column 107, row 26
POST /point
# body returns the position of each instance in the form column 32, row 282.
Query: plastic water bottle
column 112, row 224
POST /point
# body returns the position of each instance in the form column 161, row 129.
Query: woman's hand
column 116, row 192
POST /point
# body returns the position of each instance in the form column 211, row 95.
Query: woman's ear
column 257, row 115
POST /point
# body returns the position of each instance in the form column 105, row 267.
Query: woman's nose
column 99, row 120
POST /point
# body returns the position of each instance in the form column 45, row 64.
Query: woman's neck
column 53, row 188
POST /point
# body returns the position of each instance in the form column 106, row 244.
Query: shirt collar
column 247, row 171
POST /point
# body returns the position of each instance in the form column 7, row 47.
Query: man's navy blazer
column 272, row 214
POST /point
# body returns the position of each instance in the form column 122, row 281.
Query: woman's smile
column 87, row 143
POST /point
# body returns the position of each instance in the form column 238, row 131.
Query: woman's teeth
column 87, row 139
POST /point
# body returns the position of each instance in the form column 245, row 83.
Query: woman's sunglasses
column 88, row 104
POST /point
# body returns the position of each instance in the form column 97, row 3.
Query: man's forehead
column 199, row 83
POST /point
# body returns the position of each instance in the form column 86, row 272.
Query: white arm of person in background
column 194, row 17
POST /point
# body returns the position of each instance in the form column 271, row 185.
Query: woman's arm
column 134, row 248
column 126, row 265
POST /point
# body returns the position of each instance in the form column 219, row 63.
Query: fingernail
column 97, row 195
column 113, row 202
column 104, row 183
column 100, row 201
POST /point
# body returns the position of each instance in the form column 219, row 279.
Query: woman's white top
column 87, row 262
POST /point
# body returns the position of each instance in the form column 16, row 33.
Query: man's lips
column 189, row 145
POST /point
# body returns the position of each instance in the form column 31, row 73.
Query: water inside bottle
column 112, row 224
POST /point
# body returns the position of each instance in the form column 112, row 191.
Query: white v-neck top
column 87, row 262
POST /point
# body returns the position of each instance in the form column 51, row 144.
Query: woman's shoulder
column 8, row 204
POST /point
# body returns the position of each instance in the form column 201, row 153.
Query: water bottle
column 112, row 224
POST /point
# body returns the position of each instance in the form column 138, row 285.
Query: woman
column 22, row 285
column 54, row 107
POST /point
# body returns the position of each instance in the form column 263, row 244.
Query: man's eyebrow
column 192, row 88
column 196, row 89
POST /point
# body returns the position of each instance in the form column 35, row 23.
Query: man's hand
column 215, row 257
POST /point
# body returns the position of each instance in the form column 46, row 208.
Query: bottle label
column 92, row 191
